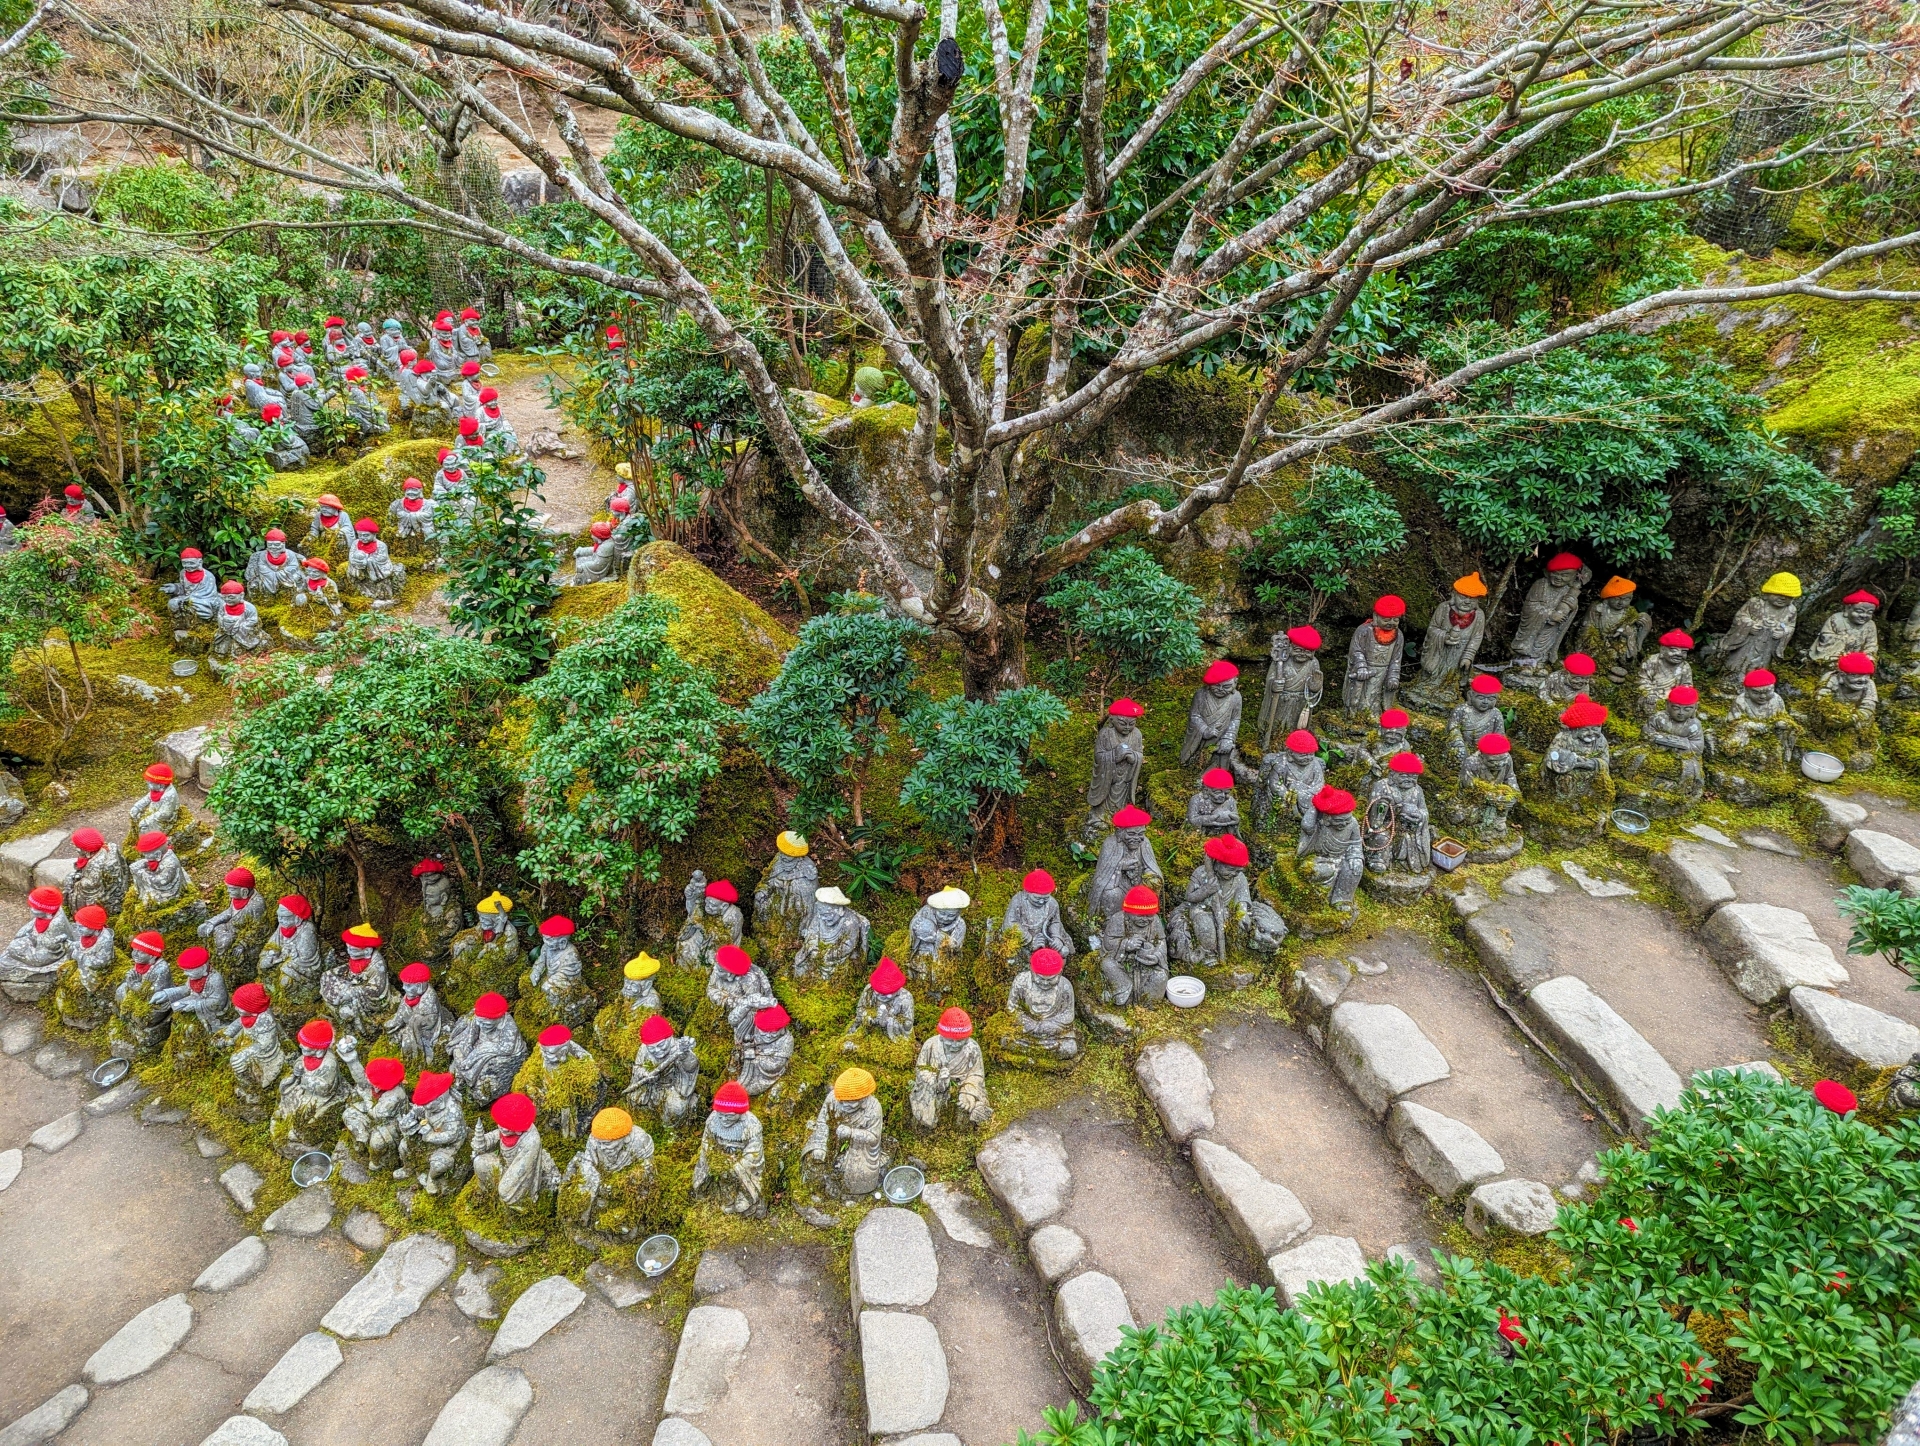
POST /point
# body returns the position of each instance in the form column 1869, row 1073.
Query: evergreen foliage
column 1133, row 617
column 1339, row 524
column 973, row 756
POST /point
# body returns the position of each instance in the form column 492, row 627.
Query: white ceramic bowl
column 1184, row 991
column 1821, row 767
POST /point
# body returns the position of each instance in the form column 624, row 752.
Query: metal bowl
column 903, row 1184
column 184, row 667
column 1629, row 820
column 656, row 1255
column 1186, row 992
column 1821, row 767
column 109, row 1072
column 312, row 1169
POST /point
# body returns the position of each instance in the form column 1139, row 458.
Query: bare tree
column 1363, row 137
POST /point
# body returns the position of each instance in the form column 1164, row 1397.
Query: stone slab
column 892, row 1265
column 712, row 1343
column 125, row 1095
column 234, row 1268
column 53, row 874
column 1768, row 951
column 183, row 749
column 1381, row 1053
column 672, row 1431
column 1265, row 1216
column 1323, row 1259
column 1697, row 874
column 621, row 1289
column 1852, row 1032
column 56, row 1061
column 142, row 1343
column 55, row 1135
column 1883, row 861
column 1320, row 985
column 48, row 1419
column 1448, row 1154
column 304, row 1216
column 486, row 1411
column 1594, row 887
column 1175, row 1079
column 904, row 1370
column 1510, row 948
column 958, row 1215
column 366, row 1230
column 1711, row 834
column 20, row 856
column 307, row 1362
column 21, row 1033
column 1525, row 1207
column 1056, row 1252
column 541, row 1307
column 243, row 1183
column 1833, row 818
column 473, row 1292
column 1536, row 880
column 1025, row 1169
column 1090, row 1311
column 1605, row 1047
column 10, row 1162
column 719, row 1271
column 406, row 1273
column 244, row 1431
column 159, row 1112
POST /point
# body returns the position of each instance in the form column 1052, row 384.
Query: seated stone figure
column 235, row 934
column 1289, row 778
column 1389, row 737
column 950, row 1071
column 441, row 919
column 137, row 1029
column 413, row 513
column 1666, row 774
column 936, row 935
column 1756, row 745
column 761, row 1060
column 31, row 961
column 487, row 957
column 420, row 1025
column 554, row 983
column 371, row 568
column 197, row 594
column 1560, row 686
column 1484, row 799
column 886, row 1006
column 314, row 1093
column 1132, row 952
column 732, row 1161
column 83, row 995
column 259, row 1054
column 486, row 1049
column 1032, row 921
column 290, row 962
column 1040, row 1000
column 512, row 1170
column 321, row 593
column 357, row 992
column 1477, row 716
column 1397, row 838
column 99, row 873
column 666, row 1073
column 433, row 1136
column 1903, row 1090
column 847, row 1154
column 197, row 1004
column 1212, row 808
column 236, row 626
column 1613, row 632
column 161, row 811
column 713, row 919
column 275, row 570
column 616, row 1028
column 373, row 1116
column 784, row 901
column 564, row 1081
column 159, row 887
column 738, row 987
column 1218, row 911
column 1851, row 630
column 1576, row 775
column 1670, row 666
column 1126, row 862
column 609, row 1185
column 1842, row 713
column 1332, row 851
column 599, row 561
column 833, row 937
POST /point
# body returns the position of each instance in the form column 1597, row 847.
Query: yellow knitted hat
column 642, row 966
column 853, row 1084
column 612, row 1124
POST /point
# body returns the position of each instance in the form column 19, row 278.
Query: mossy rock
column 367, row 484
column 728, row 635
column 482, row 1215
column 175, row 922
column 585, row 604
column 1000, row 1029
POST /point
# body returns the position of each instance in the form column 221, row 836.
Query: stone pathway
column 599, row 1376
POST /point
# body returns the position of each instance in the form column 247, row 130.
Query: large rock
column 1525, row 1207
column 141, row 1344
column 304, row 1216
column 1327, row 1259
column 486, row 1411
column 48, row 1419
column 19, row 857
column 893, row 1264
column 1697, row 874
column 406, row 1273
column 711, row 1344
column 904, row 1368
column 1176, row 1080
column 1853, row 1033
column 1091, row 1310
column 958, row 1215
column 244, row 1431
column 183, row 750
column 1605, row 1047
column 1885, row 862
column 541, row 1307
column 1834, row 818
column 238, row 1265
column 307, row 1362
column 1510, row 948
column 1025, row 1169
column 735, row 640
column 1381, row 1053
column 1768, row 951
column 1267, row 1217
column 1449, row 1155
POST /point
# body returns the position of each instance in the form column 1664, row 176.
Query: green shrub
column 500, row 564
column 1129, row 617
column 1340, row 524
column 973, row 755
column 1885, row 921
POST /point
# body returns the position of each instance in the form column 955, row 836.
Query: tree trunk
column 994, row 660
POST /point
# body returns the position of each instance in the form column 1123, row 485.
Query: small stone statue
column 1373, row 660
column 77, row 508
column 158, row 881
column 99, row 873
column 137, row 1029
column 1578, row 761
column 564, row 1080
column 834, row 936
column 1485, row 798
column 159, row 811
column 1289, row 778
column 1758, row 727
column 433, row 1136
column 470, row 341
column 556, row 973
column 486, row 958
column 197, row 594
column 1132, row 951
column 487, row 1050
column 314, row 1094
column 1389, row 737
column 1669, row 668
column 1455, row 633
column 1549, row 610
column 713, row 919
column 498, row 434
column 733, row 1154
column 274, row 571
column 371, row 568
column 329, row 530
column 1126, row 862
column 420, row 1025
column 738, row 987
column 1851, row 630
column 357, row 993
column 1332, row 849
column 290, row 959
column 1119, row 750
column 1295, row 684
column 1218, row 911
column 951, row 1070
column 1040, row 999
column 616, row 1028
column 599, row 560
column 31, row 962
column 372, row 1117
column 1843, row 711
column 364, row 409
column 320, row 591
column 1397, row 838
column 936, row 934
column 83, row 997
column 1903, row 1090
column 235, row 934
column 1561, row 685
column 1213, row 719
column 1667, row 771
column 608, row 1186
column 1614, row 630
column 259, row 1056
column 412, row 512
column 1477, row 716
column 439, row 908
column 1212, row 808
column 511, row 1168
column 885, row 1005
column 1032, row 920
column 197, row 1002
column 784, row 901
column 849, row 1117
column 236, row 627
column 1761, row 630
column 441, row 349
column 666, row 1073
column 760, row 1060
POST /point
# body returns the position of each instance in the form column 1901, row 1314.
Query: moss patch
column 733, row 638
column 365, row 485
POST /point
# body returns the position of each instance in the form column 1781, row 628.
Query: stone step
column 598, row 1375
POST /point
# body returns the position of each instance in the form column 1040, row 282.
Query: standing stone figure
column 1212, row 808
column 1131, row 950
column 666, row 1073
column 1289, row 778
column 1218, row 911
column 259, row 1056
column 1213, row 719
column 1669, row 668
column 1373, row 660
column 739, row 989
column 885, row 1006
column 1126, row 862
column 850, row 1121
column 99, row 872
column 1295, row 684
column 1484, row 800
column 733, row 1154
column 1455, row 633
column 1332, row 849
column 1398, row 837
column 433, row 1136
column 1761, row 630
column 1474, row 718
column 1032, row 919
column 609, row 1184
column 713, row 919
column 290, row 959
column 1851, row 630
column 936, row 934
column 1614, row 630
column 832, row 938
column 1118, row 751
column 1549, row 610
column 420, row 1025
column 486, row 1049
column 556, row 973
column 439, row 908
column 511, row 1168
column 784, row 901
column 1578, row 761
column 951, row 1070
column 314, row 1094
column 1041, row 1001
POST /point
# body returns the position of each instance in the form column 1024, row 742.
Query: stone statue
column 441, row 918
column 1454, row 634
column 1668, row 770
column 936, row 934
column 486, row 958
column 197, row 1003
column 471, row 342
column 486, row 1049
column 13, row 799
column 31, row 961
column 1475, row 717
column 564, row 1081
column 137, row 1029
column 329, row 530
column 158, row 880
column 357, row 992
column 713, row 919
column 197, row 594
column 1040, row 999
column 1126, row 862
column 851, row 1121
column 1549, row 610
column 1218, row 911
column 236, row 627
column 159, row 811
column 609, row 1185
column 666, row 1073
column 1373, row 660
column 320, row 591
column 833, row 937
column 616, row 1028
column 314, row 1094
column 441, row 350
column 372, row 1117
column 1295, row 684
column 1669, row 668
column 1119, row 749
column 1331, row 849
column 631, row 530
column 1843, row 711
column 1289, row 778
column 1397, row 838
column 511, row 1168
column 950, row 1070
column 733, row 1155
column 83, row 996
column 1032, row 920
column 1903, row 1090
column 1389, row 737
column 599, row 561
column 290, row 959
column 371, row 568
column 1560, row 686
column 364, row 409
column 1614, row 630
column 412, row 512
column 235, row 934
column 784, row 901
column 1484, row 800
column 1212, row 808
column 433, row 1136
column 259, row 1057
column 1761, row 630
column 1758, row 727
column 760, row 1060
column 497, row 432
column 1213, row 719
column 1851, row 630
column 77, row 508
column 420, row 1025
column 738, row 987
column 556, row 973
column 1578, row 761
column 1131, row 950
column 274, row 571
column 885, row 1006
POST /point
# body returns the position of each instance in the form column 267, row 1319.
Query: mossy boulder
column 367, row 484
column 585, row 604
column 735, row 640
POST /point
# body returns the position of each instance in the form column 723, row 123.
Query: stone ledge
column 1606, row 1048
column 1381, row 1053
column 1449, row 1155
column 1853, row 1033
column 1176, row 1080
column 1266, row 1217
column 1768, row 951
